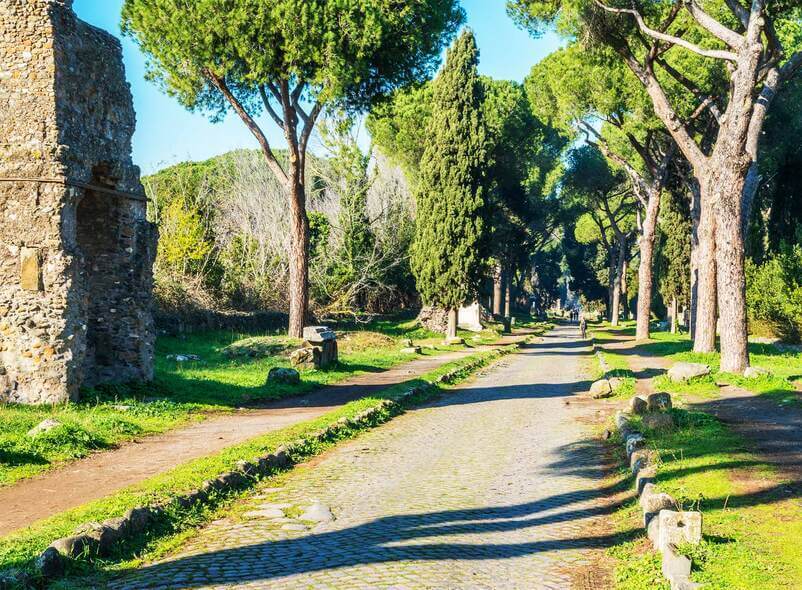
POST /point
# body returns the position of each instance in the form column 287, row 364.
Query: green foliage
column 674, row 249
column 346, row 51
column 447, row 255
column 399, row 126
column 183, row 244
column 774, row 292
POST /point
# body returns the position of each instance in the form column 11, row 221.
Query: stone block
column 686, row 371
column 645, row 476
column 621, row 420
column 411, row 350
column 30, row 269
column 634, row 442
column 456, row 341
column 284, row 376
column 638, row 405
column 755, row 372
column 653, row 501
column 675, row 566
column 470, row 318
column 75, row 546
column 639, row 459
column 50, row 563
column 601, row 389
column 659, row 402
column 318, row 334
column 677, row 528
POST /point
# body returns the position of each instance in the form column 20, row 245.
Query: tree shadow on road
column 393, row 539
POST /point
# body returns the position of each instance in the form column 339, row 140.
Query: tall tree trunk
column 706, row 317
column 299, row 259
column 508, row 298
column 619, row 273
column 645, row 268
column 674, row 312
column 498, row 291
column 611, row 284
column 726, row 187
column 624, row 288
column 695, row 209
column 451, row 331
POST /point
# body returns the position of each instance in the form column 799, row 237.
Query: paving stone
column 497, row 485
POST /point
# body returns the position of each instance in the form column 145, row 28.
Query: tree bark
column 726, row 188
column 618, row 280
column 695, row 209
column 508, row 295
column 674, row 312
column 299, row 259
column 645, row 268
column 453, row 319
column 624, row 287
column 706, row 316
column 611, row 284
column 498, row 291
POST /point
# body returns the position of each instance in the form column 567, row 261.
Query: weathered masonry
column 76, row 249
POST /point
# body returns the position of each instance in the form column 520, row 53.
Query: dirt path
column 497, row 485
column 106, row 472
column 774, row 431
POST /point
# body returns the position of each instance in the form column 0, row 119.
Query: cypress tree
column 447, row 255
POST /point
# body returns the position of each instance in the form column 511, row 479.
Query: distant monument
column 76, row 249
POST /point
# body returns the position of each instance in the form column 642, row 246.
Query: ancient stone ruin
column 76, row 249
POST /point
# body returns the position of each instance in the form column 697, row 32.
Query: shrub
column 774, row 293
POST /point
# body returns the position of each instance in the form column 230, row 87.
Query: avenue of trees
column 651, row 163
column 692, row 81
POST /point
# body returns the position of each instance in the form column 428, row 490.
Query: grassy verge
column 197, row 376
column 782, row 384
column 752, row 519
column 18, row 550
column 612, row 365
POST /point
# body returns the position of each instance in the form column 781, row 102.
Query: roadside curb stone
column 666, row 528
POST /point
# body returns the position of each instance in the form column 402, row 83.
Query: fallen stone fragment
column 686, row 371
column 50, row 563
column 284, row 375
column 638, row 405
column 411, row 350
column 44, row 426
column 457, row 341
column 659, row 402
column 756, row 372
column 317, row 512
column 635, row 442
column 645, row 476
column 601, row 389
column 677, row 528
column 675, row 566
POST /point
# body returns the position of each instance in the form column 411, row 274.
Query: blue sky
column 167, row 133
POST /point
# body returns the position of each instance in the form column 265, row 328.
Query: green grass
column 781, row 385
column 19, row 549
column 231, row 372
column 752, row 520
column 617, row 365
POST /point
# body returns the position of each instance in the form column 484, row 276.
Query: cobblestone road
column 496, row 485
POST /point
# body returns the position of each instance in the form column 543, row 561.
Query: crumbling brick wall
column 76, row 249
